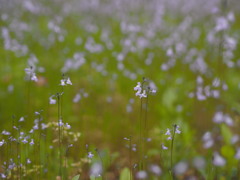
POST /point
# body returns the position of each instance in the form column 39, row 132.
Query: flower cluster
column 31, row 73
column 65, row 82
column 143, row 92
column 170, row 135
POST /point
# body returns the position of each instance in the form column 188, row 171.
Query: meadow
column 121, row 89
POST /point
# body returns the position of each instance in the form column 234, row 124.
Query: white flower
column 139, row 92
column 52, row 101
column 143, row 94
column 141, row 175
column 237, row 155
column 168, row 132
column 44, row 126
column 180, row 168
column 208, row 140
column 32, row 142
column 60, row 123
column 90, row 155
column 153, row 91
column 155, row 169
column 69, row 81
column 96, row 169
column 2, row 142
column 77, row 98
column 218, row 117
column 30, row 72
column 3, row 176
column 28, row 161
column 5, row 133
column 67, row 126
column 138, row 87
column 234, row 139
column 218, row 160
column 63, row 82
column 34, row 77
column 177, row 131
column 24, row 141
column 164, row 147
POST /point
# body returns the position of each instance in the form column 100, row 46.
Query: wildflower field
column 120, row 90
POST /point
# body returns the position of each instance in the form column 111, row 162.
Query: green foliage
column 125, row 174
column 226, row 133
column 77, row 177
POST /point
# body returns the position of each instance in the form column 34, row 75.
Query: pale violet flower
column 69, row 81
column 155, row 169
column 32, row 142
column 218, row 160
column 24, row 141
column 77, row 98
column 28, row 161
column 168, row 132
column 30, row 72
column 139, row 92
column 177, row 131
column 4, row 132
column 3, row 176
column 237, row 155
column 180, row 168
column 51, row 100
column 234, row 139
column 2, row 142
column 208, row 140
column 90, row 155
column 34, row 77
column 138, row 87
column 164, row 147
column 141, row 175
column 65, row 82
column 67, row 126
column 60, row 123
column 21, row 119
column 96, row 169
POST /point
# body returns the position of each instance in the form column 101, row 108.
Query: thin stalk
column 59, row 136
column 7, row 160
column 11, row 143
column 140, row 131
column 130, row 156
column 62, row 130
column 19, row 153
column 140, row 139
column 39, row 146
column 145, row 130
column 171, row 166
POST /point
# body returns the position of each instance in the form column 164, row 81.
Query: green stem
column 59, row 136
column 174, row 129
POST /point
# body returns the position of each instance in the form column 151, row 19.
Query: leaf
column 228, row 152
column 227, row 135
column 125, row 174
column 76, row 177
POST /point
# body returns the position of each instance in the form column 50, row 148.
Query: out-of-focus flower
column 218, row 160
column 141, row 175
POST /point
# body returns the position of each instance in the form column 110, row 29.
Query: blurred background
column 187, row 50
